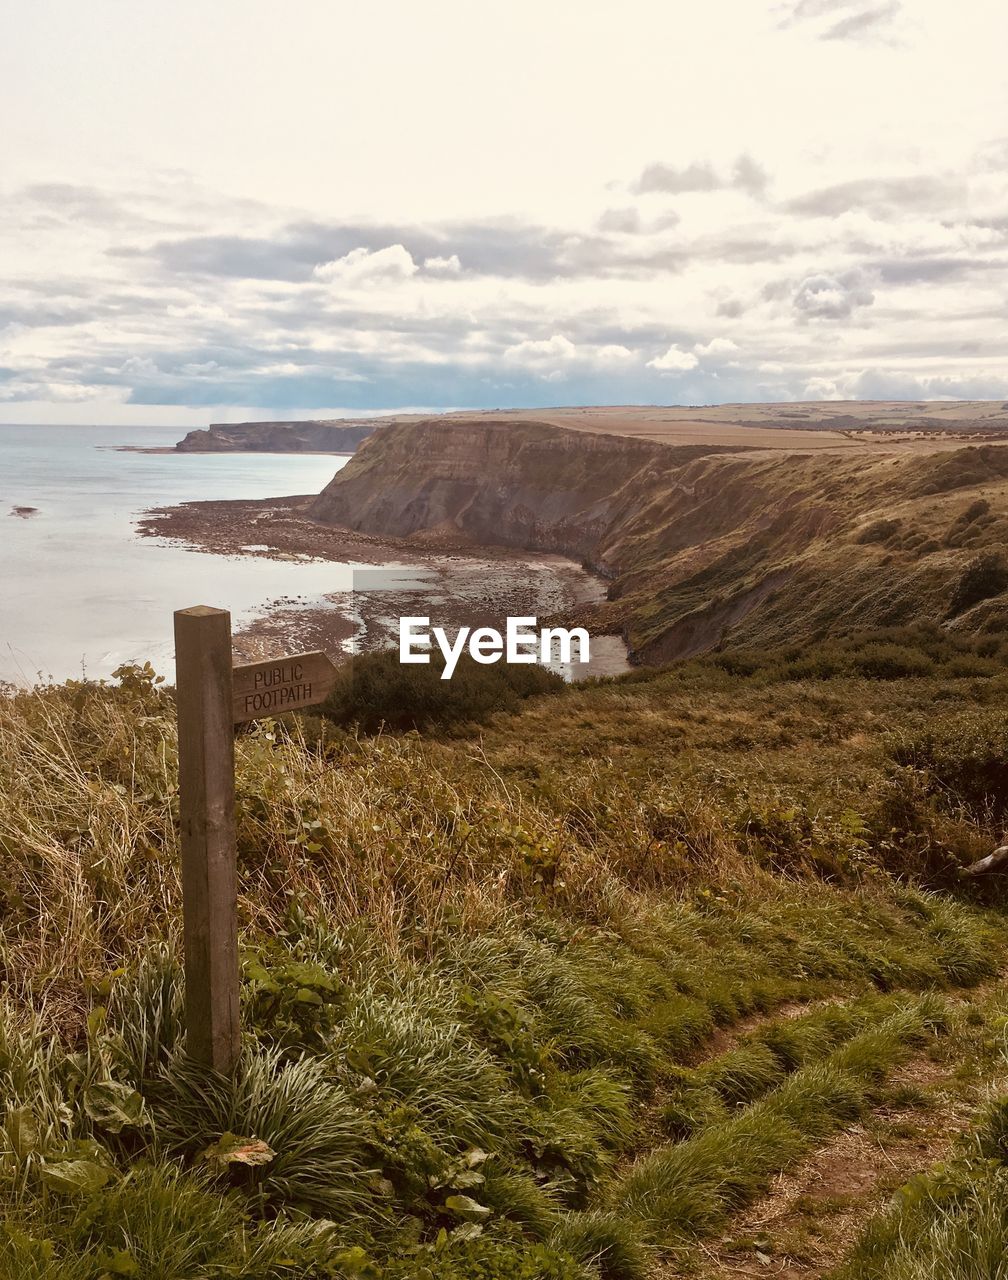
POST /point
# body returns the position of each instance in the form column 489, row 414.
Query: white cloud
column 364, row 266
column 559, row 355
column 675, row 360
column 613, row 354
column 544, row 351
column 450, row 266
column 716, row 347
column 822, row 389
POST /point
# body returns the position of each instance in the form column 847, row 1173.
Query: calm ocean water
column 82, row 592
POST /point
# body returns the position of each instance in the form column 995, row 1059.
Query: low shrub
column 964, row 759
column 376, row 691
column 985, row 576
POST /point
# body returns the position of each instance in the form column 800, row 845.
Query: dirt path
column 804, row 1226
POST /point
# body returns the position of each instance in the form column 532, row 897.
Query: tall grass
column 480, row 978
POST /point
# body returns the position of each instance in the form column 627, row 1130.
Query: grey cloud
column 503, row 247
column 828, row 297
column 79, row 201
column 623, row 220
column 805, row 9
column 730, row 307
column 866, row 19
column 924, row 269
column 998, row 223
column 47, row 315
column 858, row 23
column 744, row 251
column 746, row 175
column 879, row 197
column 941, row 347
column 749, row 175
column 664, row 177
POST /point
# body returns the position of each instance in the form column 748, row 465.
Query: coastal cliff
column 278, row 437
column 701, row 545
column 512, row 483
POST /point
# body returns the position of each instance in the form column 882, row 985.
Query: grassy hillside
column 766, row 552
column 564, row 994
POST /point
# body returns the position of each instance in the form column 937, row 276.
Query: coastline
column 216, row 453
column 445, row 576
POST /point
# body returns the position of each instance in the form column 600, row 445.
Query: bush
column 376, row 691
column 877, row 531
column 965, row 757
column 483, row 1259
column 306, row 1119
column 891, row 662
column 985, row 576
column 884, row 653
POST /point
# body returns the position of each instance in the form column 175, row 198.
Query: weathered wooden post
column 209, row 860
column 212, row 697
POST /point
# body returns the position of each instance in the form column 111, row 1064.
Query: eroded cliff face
column 520, row 484
column 700, row 545
column 277, row 437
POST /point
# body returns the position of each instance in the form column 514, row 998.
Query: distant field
column 826, row 425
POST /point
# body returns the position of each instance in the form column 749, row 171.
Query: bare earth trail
column 802, row 1228
column 806, row 1222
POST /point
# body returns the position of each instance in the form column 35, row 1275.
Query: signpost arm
column 209, row 862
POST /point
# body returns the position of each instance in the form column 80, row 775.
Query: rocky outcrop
column 278, row 437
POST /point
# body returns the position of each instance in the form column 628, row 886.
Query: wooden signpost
column 213, row 696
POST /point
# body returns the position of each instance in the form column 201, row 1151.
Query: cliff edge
column 702, row 545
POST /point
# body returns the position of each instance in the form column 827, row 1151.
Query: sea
column 81, row 593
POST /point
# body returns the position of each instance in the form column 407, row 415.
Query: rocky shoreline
column 446, row 577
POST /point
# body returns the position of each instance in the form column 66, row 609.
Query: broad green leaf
column 75, row 1177
column 22, row 1131
column 119, row 1263
column 114, row 1106
column 232, row 1149
column 96, row 1020
column 466, row 1207
column 355, row 1262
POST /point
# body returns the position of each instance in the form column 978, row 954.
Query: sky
column 239, row 209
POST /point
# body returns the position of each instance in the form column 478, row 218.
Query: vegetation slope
column 558, row 994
